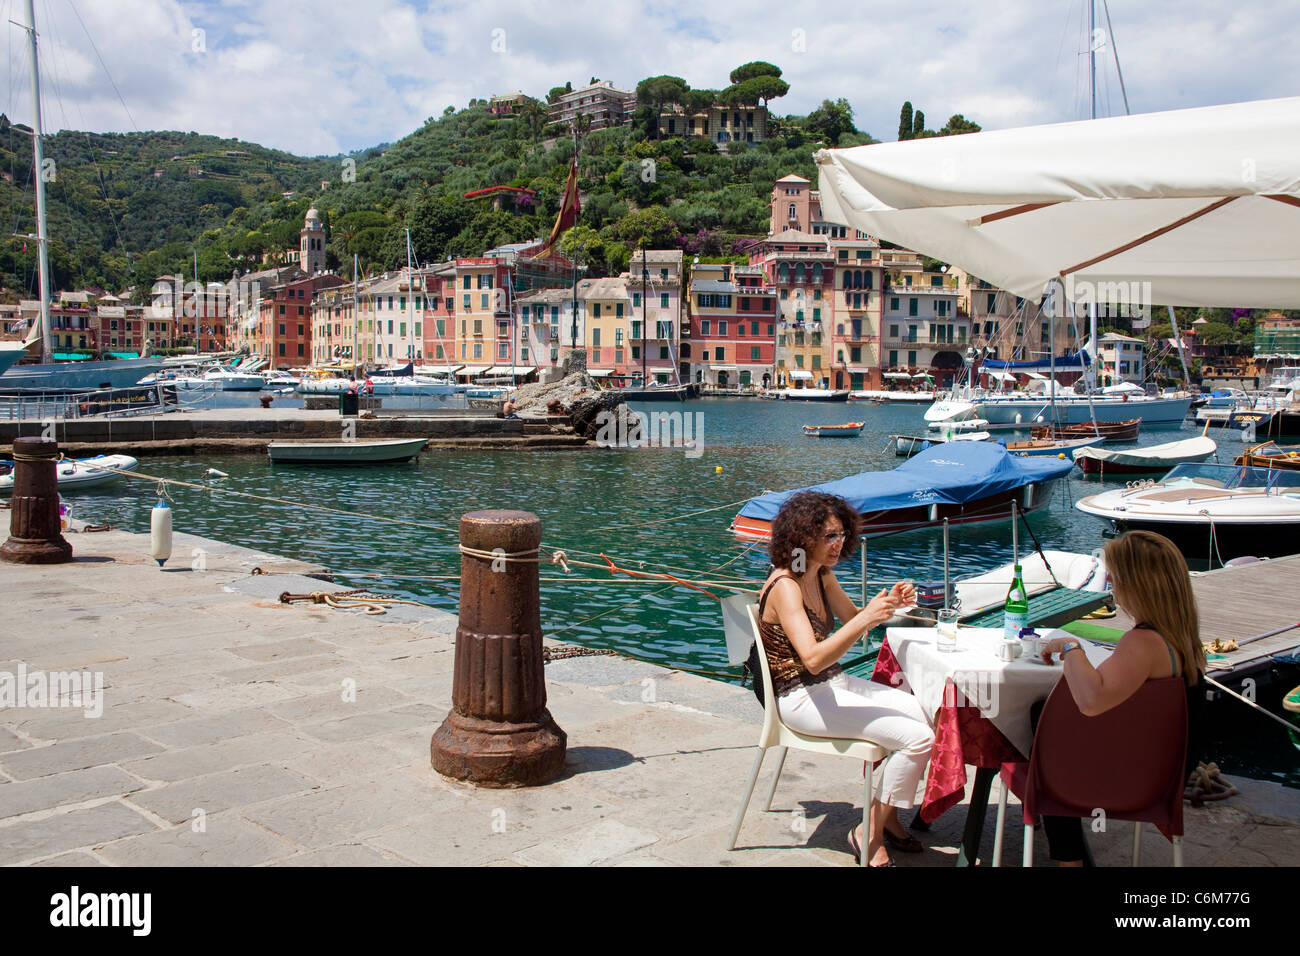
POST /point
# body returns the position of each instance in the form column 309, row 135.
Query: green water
column 626, row 503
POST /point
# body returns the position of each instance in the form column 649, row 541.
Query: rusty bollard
column 34, row 535
column 499, row 732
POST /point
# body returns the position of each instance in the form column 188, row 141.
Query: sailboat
column 48, row 375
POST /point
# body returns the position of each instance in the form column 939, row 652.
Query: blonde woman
column 1150, row 583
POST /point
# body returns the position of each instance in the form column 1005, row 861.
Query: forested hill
column 125, row 208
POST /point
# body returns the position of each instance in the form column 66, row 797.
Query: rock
column 580, row 397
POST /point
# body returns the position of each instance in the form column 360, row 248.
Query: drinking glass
column 946, row 622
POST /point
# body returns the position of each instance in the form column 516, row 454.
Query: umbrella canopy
column 1203, row 204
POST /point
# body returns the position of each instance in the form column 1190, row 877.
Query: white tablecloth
column 1002, row 690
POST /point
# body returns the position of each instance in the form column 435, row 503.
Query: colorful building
column 720, row 124
column 606, row 105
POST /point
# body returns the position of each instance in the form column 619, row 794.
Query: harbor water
column 647, row 510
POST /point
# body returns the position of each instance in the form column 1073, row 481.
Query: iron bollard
column 499, row 732
column 34, row 534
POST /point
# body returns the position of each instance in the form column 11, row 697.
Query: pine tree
column 905, row 121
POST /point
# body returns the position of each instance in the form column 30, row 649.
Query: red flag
column 570, row 209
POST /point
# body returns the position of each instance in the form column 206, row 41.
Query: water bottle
column 1015, row 613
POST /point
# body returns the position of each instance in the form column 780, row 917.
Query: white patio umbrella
column 1203, row 204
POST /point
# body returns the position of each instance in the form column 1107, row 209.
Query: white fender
column 160, row 532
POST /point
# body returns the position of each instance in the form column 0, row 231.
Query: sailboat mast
column 356, row 316
column 42, row 249
column 410, row 298
column 1092, row 86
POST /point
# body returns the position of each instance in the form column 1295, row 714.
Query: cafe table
column 978, row 705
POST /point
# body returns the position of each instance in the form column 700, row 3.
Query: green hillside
column 125, row 208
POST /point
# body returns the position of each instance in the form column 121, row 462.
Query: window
column 911, row 358
column 636, row 300
column 440, row 328
column 893, row 304
column 720, row 355
column 503, row 350
column 722, row 327
column 663, row 351
column 618, row 338
column 401, row 303
column 992, row 302
column 595, row 338
column 893, row 357
column 299, row 349
column 911, row 306
column 936, row 281
column 704, row 327
column 483, row 300
column 523, row 333
column 618, row 310
column 663, row 329
column 595, row 311
column 282, row 328
column 485, row 281
column 523, row 354
column 478, row 350
column 466, row 304
column 754, row 353
column 855, row 353
column 636, row 353
column 636, row 328
column 402, row 330
column 663, row 274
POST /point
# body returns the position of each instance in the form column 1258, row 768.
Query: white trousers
column 858, row 709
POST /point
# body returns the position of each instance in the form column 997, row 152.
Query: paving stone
column 75, row 755
column 355, row 810
column 173, row 765
column 77, row 858
column 214, row 793
column 203, row 730
column 20, row 842
column 332, row 706
column 63, row 789
column 353, row 760
column 117, row 716
column 374, row 724
column 279, row 650
column 350, row 854
column 11, row 741
column 226, row 841
column 587, row 846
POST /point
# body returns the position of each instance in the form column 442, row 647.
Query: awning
column 1124, row 387
column 515, row 370
column 473, row 370
column 440, row 369
column 1035, row 376
column 125, row 355
column 1122, row 209
column 922, row 375
column 859, row 369
column 70, row 357
column 724, row 368
column 897, row 375
column 999, row 376
column 600, row 372
column 800, row 374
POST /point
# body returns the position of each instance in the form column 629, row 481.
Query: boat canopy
column 950, row 473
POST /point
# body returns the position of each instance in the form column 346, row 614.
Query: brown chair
column 1129, row 763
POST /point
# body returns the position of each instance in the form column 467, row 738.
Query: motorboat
column 345, row 452
column 965, row 482
column 1217, row 512
column 1145, row 460
column 1111, row 431
column 847, row 430
column 76, row 474
column 905, row 446
column 887, row 396
column 1054, row 447
column 410, row 385
column 229, row 380
column 1271, row 455
column 814, row 394
column 1040, row 572
column 950, row 410
column 1079, row 409
column 964, row 426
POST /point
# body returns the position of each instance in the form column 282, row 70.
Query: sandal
column 903, row 844
column 857, row 852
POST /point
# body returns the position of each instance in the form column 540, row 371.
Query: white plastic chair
column 776, row 734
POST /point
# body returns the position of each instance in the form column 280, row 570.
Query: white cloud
column 320, row 76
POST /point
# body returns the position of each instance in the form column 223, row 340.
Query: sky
column 320, row 77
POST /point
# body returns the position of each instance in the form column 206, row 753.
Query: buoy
column 160, row 532
column 214, row 473
column 1018, row 418
column 1061, row 455
column 717, row 470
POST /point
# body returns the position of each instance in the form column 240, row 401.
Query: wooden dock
column 1242, row 601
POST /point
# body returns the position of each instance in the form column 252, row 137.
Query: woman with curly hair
column 798, row 606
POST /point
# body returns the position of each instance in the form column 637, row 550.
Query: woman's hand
column 904, row 594
column 1055, row 646
column 879, row 609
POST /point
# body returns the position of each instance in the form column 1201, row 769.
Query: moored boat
column 905, row 446
column 1271, row 455
column 814, row 395
column 345, row 452
column 75, row 474
column 847, row 430
column 1145, row 460
column 964, row 482
column 1110, row 431
column 1211, row 512
column 1053, row 447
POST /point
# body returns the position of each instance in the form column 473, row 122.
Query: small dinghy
column 1272, row 455
column 77, row 473
column 345, row 452
column 905, row 446
column 1101, row 461
column 1111, row 431
column 849, row 430
column 1051, row 447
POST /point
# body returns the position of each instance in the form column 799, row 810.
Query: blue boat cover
column 1066, row 362
column 949, row 473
